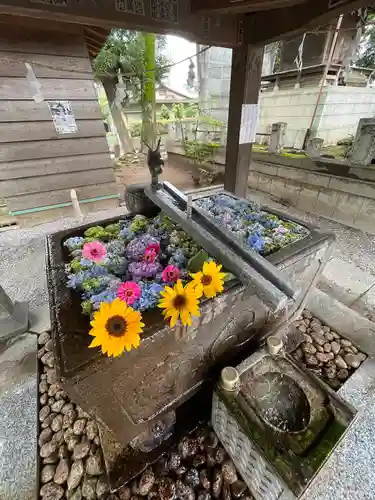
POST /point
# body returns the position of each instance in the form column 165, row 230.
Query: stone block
column 292, row 192
column 320, row 180
column 295, row 174
column 314, row 146
column 345, row 282
column 308, row 198
column 343, row 320
column 253, row 179
column 326, row 202
column 352, row 186
column 266, row 168
column 278, row 188
column 365, row 219
column 264, row 183
column 363, row 149
column 365, row 304
column 348, row 207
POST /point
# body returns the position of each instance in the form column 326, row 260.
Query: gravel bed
column 72, row 466
column 325, row 353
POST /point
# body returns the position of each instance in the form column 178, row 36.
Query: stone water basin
column 289, row 416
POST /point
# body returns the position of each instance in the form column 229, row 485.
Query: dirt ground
column 176, row 172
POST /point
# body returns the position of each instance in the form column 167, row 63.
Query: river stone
column 51, row 401
column 41, row 352
column 210, row 457
column 47, row 473
column 302, row 328
column 75, row 474
column 82, row 413
column 57, row 405
column 47, row 449
column 51, row 375
column 307, row 339
column 91, row 429
column 89, row 488
column 47, row 421
column 45, row 436
column 335, row 383
column 97, row 440
column 58, row 437
column 49, row 345
column 306, row 314
column 81, row 449
column 146, row 482
column 199, row 460
column 93, row 465
column 43, row 338
column 124, row 493
column 43, row 399
column 93, row 448
column 204, row 478
column 335, row 347
column 192, row 477
column 74, row 494
column 57, row 423
column 79, row 427
column 219, row 455
column 203, row 495
column 51, row 491
column 361, row 356
column 342, row 374
column 311, row 360
column 217, row 483
column 327, row 347
column 180, row 471
column 187, row 447
column 308, row 348
column 174, row 460
column 352, row 360
column 298, row 354
column 211, row 440
column 184, row 491
column 69, row 419
column 62, row 471
column 67, row 408
column 318, row 338
column 61, row 394
column 238, row 488
column 102, row 487
column 53, row 390
column 330, row 371
column 167, row 489
column 340, row 363
column 63, row 451
column 346, row 343
column 48, row 359
column 44, row 412
column 229, row 472
column 324, row 357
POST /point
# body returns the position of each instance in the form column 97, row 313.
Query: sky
column 177, row 49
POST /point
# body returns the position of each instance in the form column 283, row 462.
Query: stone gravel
column 72, row 465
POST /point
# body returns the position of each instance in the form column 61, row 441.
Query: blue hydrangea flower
column 150, row 296
column 256, row 242
column 74, row 243
column 107, row 296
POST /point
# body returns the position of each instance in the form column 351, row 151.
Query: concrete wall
column 337, row 115
column 347, row 201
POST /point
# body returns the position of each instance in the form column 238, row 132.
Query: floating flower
column 149, row 255
column 170, row 273
column 94, row 251
column 210, row 279
column 129, row 292
column 116, row 327
column 180, row 302
column 255, row 242
column 155, row 247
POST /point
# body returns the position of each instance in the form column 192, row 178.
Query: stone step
column 342, row 319
column 351, row 286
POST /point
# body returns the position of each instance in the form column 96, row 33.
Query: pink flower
column 129, row 292
column 94, row 250
column 153, row 246
column 170, row 273
column 149, row 255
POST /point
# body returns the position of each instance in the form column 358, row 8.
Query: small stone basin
column 280, row 402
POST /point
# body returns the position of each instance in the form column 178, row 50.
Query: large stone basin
column 130, row 392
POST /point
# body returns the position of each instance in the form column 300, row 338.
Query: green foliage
column 164, row 112
column 201, row 152
column 195, row 264
column 367, row 45
column 125, row 50
column 135, row 129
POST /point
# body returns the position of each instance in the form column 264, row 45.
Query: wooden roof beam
column 238, row 6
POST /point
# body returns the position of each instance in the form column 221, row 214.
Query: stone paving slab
column 18, row 418
column 344, row 281
column 365, row 304
column 343, row 320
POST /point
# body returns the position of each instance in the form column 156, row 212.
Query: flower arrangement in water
column 261, row 231
column 138, row 264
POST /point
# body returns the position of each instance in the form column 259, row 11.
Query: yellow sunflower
column 210, row 279
column 180, row 302
column 116, row 327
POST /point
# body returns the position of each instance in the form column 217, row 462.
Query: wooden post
column 244, row 89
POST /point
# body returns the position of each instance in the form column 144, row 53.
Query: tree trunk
column 148, row 97
column 126, row 144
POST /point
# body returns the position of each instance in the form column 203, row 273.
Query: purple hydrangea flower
column 137, row 246
column 144, row 269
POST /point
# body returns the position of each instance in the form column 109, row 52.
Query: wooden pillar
column 244, row 89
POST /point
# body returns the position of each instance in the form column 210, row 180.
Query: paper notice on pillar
column 249, row 123
column 63, row 117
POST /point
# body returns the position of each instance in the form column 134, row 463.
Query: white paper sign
column 63, row 117
column 249, row 123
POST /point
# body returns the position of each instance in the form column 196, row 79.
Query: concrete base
column 17, row 323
